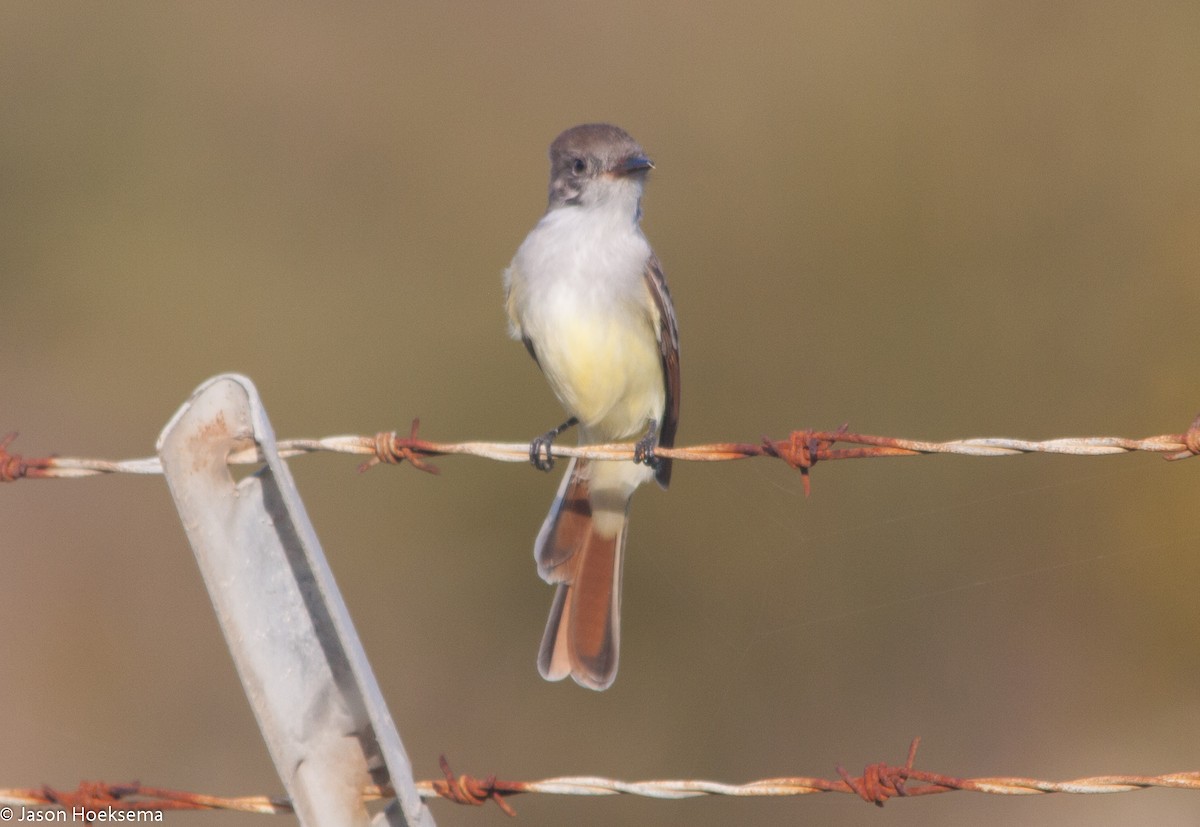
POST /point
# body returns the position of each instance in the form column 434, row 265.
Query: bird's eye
column 579, row 166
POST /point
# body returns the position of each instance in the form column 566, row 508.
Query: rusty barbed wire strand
column 92, row 796
column 801, row 450
column 878, row 784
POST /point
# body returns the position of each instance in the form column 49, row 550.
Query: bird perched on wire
column 586, row 295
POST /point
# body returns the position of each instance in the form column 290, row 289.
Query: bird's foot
column 540, row 454
column 643, row 450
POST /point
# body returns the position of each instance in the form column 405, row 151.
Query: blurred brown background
column 930, row 219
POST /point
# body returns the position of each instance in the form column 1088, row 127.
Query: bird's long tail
column 580, row 547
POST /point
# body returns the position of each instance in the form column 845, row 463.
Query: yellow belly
column 606, row 370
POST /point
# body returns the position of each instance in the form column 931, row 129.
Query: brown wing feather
column 668, row 347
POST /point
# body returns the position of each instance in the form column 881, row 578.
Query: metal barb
column 881, row 781
column 392, row 449
column 464, row 789
column 1191, row 441
column 12, row 466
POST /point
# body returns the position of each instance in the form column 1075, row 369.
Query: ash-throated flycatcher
column 586, row 295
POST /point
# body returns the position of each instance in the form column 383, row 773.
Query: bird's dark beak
column 632, row 164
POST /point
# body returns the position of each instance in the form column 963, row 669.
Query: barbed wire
column 878, row 784
column 801, row 450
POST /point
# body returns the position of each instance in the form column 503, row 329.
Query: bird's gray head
column 596, row 163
